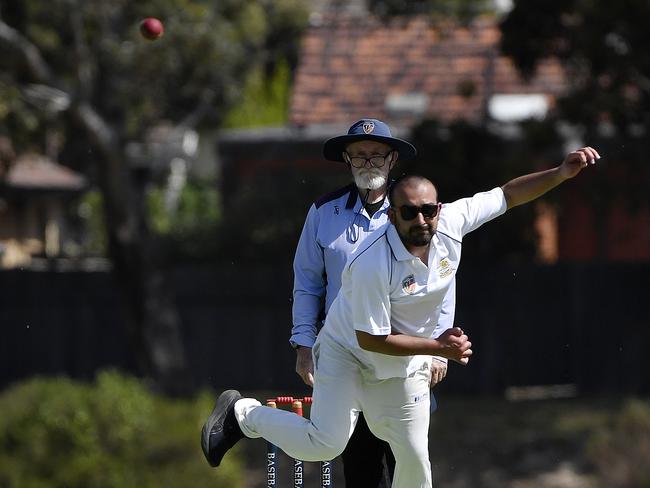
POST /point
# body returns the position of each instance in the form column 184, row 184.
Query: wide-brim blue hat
column 364, row 130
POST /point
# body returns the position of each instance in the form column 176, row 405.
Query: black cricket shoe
column 221, row 431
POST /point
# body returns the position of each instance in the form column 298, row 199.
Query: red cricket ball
column 151, row 28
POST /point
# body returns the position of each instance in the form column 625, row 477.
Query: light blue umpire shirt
column 335, row 225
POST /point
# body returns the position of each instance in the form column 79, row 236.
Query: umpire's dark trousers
column 368, row 462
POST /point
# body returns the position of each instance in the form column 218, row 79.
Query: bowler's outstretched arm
column 529, row 187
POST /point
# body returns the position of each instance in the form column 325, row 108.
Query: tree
column 81, row 69
column 603, row 47
column 463, row 158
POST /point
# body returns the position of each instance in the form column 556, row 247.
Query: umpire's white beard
column 372, row 179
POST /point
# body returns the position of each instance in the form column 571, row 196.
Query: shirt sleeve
column 467, row 214
column 309, row 283
column 366, row 281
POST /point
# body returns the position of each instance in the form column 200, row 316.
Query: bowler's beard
column 418, row 235
column 370, row 179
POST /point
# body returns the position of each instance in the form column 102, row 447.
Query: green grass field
column 114, row 432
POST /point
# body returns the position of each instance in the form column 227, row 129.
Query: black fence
column 585, row 325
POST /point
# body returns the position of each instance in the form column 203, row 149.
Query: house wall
column 31, row 225
column 577, row 227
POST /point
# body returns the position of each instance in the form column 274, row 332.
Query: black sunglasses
column 360, row 162
column 428, row 211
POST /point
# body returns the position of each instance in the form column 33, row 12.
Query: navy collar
column 354, row 195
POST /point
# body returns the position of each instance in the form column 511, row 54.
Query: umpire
column 335, row 225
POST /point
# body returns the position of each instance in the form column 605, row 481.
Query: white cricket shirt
column 384, row 288
column 335, row 226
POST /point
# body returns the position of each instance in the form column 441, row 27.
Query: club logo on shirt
column 336, row 209
column 408, row 284
column 445, row 268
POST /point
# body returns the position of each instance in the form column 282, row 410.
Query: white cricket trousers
column 396, row 409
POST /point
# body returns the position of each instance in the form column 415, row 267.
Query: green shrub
column 621, row 451
column 113, row 433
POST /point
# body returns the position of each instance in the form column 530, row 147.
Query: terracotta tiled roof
column 350, row 66
column 36, row 172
